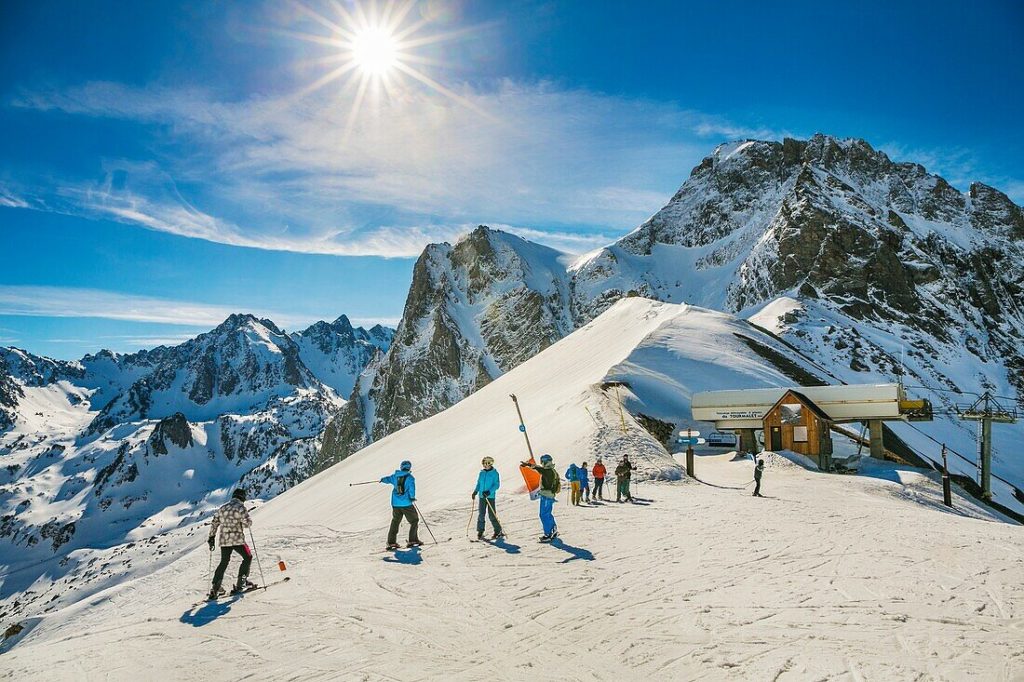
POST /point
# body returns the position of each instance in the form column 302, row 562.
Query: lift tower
column 986, row 410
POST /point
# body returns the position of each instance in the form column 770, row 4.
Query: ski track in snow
column 701, row 583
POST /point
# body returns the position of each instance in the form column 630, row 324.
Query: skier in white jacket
column 232, row 519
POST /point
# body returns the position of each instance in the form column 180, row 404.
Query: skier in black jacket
column 758, row 470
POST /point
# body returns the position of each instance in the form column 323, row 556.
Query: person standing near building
column 758, row 471
column 599, row 473
column 403, row 497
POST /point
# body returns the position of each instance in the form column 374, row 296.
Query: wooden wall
column 818, row 442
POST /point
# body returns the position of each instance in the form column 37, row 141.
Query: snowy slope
column 815, row 581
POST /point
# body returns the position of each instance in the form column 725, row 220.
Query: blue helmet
column 406, row 466
column 544, row 459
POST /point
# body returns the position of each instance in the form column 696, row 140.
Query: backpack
column 558, row 485
column 400, row 484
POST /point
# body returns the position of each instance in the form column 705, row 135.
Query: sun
column 375, row 50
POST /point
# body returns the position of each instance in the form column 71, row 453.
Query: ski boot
column 479, row 535
column 245, row 586
column 392, row 546
column 415, row 543
column 546, row 537
column 498, row 536
column 215, row 594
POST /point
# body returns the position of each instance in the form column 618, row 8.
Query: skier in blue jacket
column 403, row 497
column 487, row 484
column 572, row 474
column 584, row 475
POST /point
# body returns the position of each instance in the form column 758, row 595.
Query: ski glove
column 211, row 543
column 474, row 494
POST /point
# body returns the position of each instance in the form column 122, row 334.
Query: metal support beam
column 986, row 459
column 875, row 435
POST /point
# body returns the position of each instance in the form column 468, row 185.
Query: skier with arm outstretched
column 487, row 484
column 231, row 519
column 403, row 495
column 550, row 486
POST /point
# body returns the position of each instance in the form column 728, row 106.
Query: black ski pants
column 598, row 487
column 396, row 518
column 225, row 559
column 757, row 486
column 486, row 506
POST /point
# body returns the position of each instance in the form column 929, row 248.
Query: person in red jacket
column 599, row 473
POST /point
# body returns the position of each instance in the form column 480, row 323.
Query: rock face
column 118, row 446
column 474, row 311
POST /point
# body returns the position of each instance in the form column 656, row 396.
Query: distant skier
column 572, row 474
column 402, row 498
column 487, row 484
column 584, row 482
column 232, row 519
column 623, row 472
column 758, row 471
column 599, row 473
column 550, row 486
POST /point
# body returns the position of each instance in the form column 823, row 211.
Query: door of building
column 776, row 439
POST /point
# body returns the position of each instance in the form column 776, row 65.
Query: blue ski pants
column 547, row 516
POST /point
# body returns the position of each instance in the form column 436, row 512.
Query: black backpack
column 400, row 484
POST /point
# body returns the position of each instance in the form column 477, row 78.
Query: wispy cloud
column 44, row 301
column 301, row 175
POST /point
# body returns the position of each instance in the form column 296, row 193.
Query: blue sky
column 163, row 164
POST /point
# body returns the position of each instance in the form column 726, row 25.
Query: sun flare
column 374, row 48
column 375, row 51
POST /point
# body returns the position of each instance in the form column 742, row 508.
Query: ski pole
column 425, row 524
column 363, row 483
column 472, row 508
column 254, row 551
column 500, row 524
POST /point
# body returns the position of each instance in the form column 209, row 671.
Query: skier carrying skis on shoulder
column 599, row 473
column 623, row 472
column 487, row 484
column 550, row 486
column 758, row 470
column 572, row 474
column 232, row 519
column 403, row 496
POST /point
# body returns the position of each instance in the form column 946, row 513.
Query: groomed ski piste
column 861, row 577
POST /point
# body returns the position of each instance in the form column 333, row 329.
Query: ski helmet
column 487, row 461
column 239, row 494
column 406, row 466
column 544, row 459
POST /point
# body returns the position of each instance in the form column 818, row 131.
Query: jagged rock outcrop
column 474, row 311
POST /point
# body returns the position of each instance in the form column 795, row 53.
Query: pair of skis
column 227, row 596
